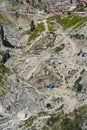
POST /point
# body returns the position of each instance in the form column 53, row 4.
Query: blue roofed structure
column 50, row 86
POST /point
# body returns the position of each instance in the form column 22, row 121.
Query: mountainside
column 43, row 71
column 14, row 4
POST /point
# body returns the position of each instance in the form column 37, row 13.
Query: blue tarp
column 50, row 86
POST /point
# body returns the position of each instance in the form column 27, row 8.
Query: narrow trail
column 64, row 35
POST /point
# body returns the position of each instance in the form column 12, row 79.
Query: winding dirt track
column 69, row 101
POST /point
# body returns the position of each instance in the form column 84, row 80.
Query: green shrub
column 29, row 121
column 60, row 48
column 78, row 80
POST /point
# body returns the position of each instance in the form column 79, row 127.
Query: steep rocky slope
column 39, row 58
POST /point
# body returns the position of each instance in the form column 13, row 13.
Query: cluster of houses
column 64, row 6
column 56, row 7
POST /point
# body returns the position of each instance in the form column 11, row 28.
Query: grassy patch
column 34, row 35
column 29, row 122
column 4, row 19
column 77, row 85
column 40, row 28
column 78, row 25
column 72, row 20
column 54, row 18
column 69, row 21
column 50, row 26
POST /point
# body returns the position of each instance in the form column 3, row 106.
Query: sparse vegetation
column 42, row 113
column 72, row 20
column 83, row 70
column 4, row 72
column 40, row 28
column 4, row 19
column 60, row 48
column 80, row 9
column 72, row 121
column 34, row 35
column 77, row 36
column 77, row 85
column 29, row 121
column 78, row 25
column 50, row 26
column 69, row 21
column 41, row 58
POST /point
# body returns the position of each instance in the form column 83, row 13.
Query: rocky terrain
column 47, row 55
